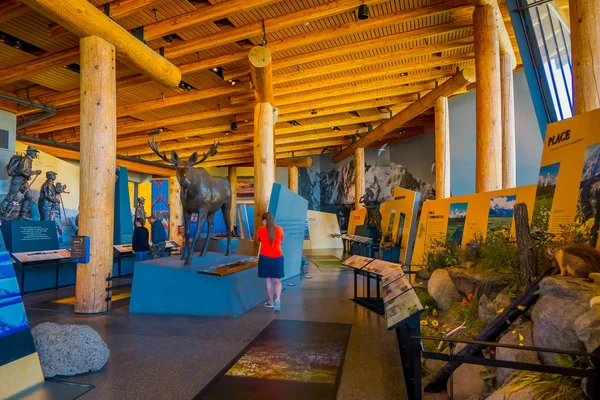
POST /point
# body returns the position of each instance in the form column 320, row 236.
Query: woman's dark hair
column 268, row 218
column 141, row 221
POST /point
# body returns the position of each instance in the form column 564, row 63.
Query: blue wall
column 462, row 139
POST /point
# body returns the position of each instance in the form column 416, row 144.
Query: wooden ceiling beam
column 118, row 9
column 55, row 123
column 334, row 7
column 382, row 59
column 83, row 19
column 353, row 48
column 458, row 81
column 202, row 15
column 11, row 9
column 39, row 65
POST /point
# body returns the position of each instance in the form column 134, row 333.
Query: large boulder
column 522, row 335
column 471, row 281
column 503, row 299
column 487, row 310
column 504, row 394
column 69, row 350
column 466, row 381
column 587, row 327
column 442, row 289
column 562, row 301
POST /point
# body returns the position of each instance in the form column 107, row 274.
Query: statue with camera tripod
column 19, row 168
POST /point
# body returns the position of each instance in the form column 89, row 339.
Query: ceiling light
column 295, row 123
column 153, row 132
column 335, row 128
column 215, row 69
column 313, row 112
column 234, row 126
column 403, row 74
column 363, row 11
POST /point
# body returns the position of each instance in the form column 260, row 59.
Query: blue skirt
column 270, row 267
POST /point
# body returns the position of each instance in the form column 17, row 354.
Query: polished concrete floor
column 171, row 357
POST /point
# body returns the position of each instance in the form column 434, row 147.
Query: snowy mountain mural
column 331, row 189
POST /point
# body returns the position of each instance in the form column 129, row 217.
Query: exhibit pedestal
column 166, row 286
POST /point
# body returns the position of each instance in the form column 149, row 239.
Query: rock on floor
column 467, row 382
column 520, row 335
column 69, row 349
column 442, row 289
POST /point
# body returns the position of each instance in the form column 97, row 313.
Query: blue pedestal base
column 166, row 286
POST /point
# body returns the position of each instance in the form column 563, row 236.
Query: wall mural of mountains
column 332, row 189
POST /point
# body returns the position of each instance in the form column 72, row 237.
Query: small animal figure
column 577, row 261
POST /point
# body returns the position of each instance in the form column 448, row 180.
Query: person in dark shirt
column 140, row 240
column 159, row 237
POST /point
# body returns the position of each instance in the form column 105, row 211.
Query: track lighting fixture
column 295, row 123
column 363, row 11
column 313, row 112
column 234, row 125
column 185, row 86
column 403, row 74
column 218, row 71
column 336, row 128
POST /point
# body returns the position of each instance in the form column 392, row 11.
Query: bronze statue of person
column 139, row 210
column 373, row 214
column 19, row 170
column 49, row 201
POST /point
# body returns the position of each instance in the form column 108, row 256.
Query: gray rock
column 487, row 311
column 422, row 276
column 69, row 349
column 503, row 299
column 442, row 289
column 554, row 324
column 587, row 327
column 595, row 276
column 570, row 287
column 563, row 300
column 470, row 281
column 467, row 382
column 503, row 353
column 503, row 394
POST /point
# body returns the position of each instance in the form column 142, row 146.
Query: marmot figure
column 577, row 261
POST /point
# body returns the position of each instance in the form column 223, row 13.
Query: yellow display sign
column 461, row 219
column 357, row 217
column 568, row 191
column 399, row 220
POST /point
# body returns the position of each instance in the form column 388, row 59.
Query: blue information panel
column 25, row 236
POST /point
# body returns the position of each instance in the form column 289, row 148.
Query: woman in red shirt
column 270, row 259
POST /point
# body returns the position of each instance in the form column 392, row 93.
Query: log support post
column 442, row 148
column 261, row 70
column 509, row 155
column 232, row 176
column 488, row 164
column 175, row 210
column 359, row 176
column 97, row 172
column 585, row 42
column 293, row 179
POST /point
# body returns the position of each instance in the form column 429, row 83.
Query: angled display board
column 290, row 211
column 568, row 195
column 357, row 217
column 322, row 227
column 405, row 203
column 19, row 362
column 460, row 219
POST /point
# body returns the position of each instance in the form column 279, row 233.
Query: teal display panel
column 123, row 218
column 25, row 236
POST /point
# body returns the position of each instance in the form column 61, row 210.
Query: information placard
column 124, row 248
column 402, row 307
column 44, row 255
column 357, row 262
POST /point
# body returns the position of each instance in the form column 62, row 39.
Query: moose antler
column 154, row 146
column 211, row 152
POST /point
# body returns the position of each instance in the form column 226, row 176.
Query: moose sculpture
column 201, row 193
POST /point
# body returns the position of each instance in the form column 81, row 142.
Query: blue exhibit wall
column 462, row 139
column 290, row 212
column 160, row 201
column 123, row 230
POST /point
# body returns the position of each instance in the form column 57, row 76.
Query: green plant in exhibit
column 548, row 386
column 499, row 254
column 468, row 312
column 441, row 253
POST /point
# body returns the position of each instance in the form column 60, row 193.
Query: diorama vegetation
column 495, row 258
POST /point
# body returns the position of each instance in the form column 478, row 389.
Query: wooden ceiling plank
column 83, row 19
column 39, row 65
column 11, row 9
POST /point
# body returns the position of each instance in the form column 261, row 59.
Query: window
column 3, row 139
column 544, row 39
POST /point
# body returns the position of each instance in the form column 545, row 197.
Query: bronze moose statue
column 201, row 193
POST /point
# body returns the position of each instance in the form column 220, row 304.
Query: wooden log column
column 585, row 42
column 293, row 179
column 488, row 164
column 442, row 148
column 359, row 176
column 509, row 155
column 97, row 171
column 261, row 71
column 264, row 160
column 175, row 210
column 232, row 176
